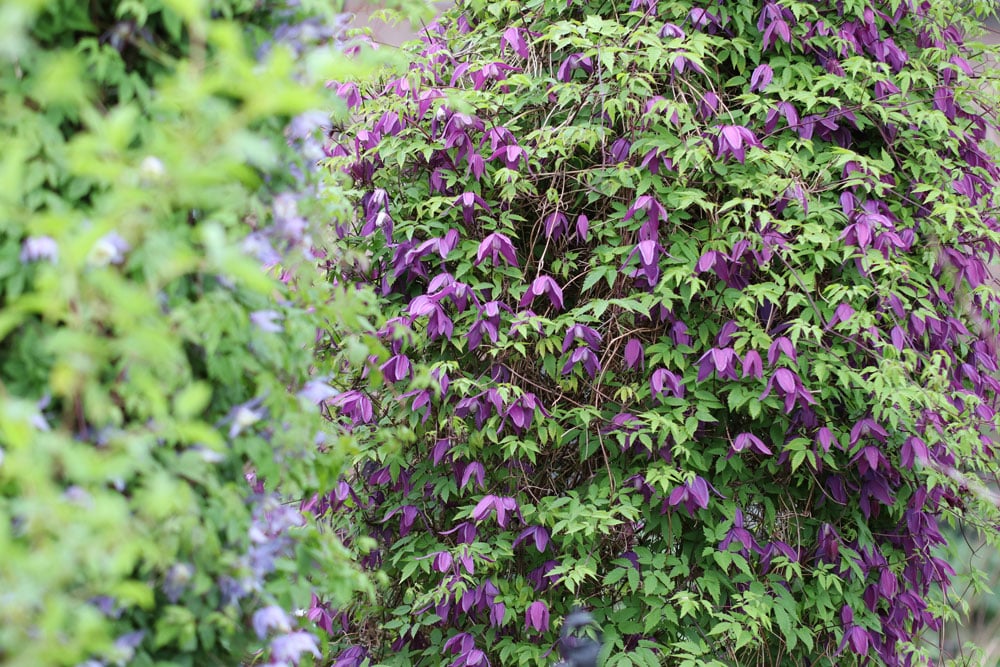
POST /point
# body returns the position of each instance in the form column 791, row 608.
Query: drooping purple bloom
column 663, row 382
column 761, row 78
column 538, row 534
column 514, row 38
column 589, row 336
column 289, row 648
column 537, row 616
column 693, row 494
column 543, row 285
column 748, row 440
column 469, row 201
column 271, row 618
column 39, row 249
column 732, row 141
column 634, row 356
column 753, row 365
column 496, row 245
column 501, row 505
column 586, row 357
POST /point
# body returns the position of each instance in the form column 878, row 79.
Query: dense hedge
column 690, row 324
column 156, row 385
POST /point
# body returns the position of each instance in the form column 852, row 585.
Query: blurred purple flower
column 266, row 320
column 289, row 648
column 271, row 618
column 39, row 249
column 761, row 78
column 732, row 141
column 537, row 616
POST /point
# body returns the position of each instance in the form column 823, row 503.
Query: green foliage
column 150, row 370
column 701, row 287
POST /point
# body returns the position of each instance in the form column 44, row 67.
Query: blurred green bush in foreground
column 155, row 383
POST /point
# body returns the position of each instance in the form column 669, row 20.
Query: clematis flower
column 495, row 246
column 469, row 201
column 537, row 616
column 572, row 63
column 761, row 78
column 514, row 38
column 586, row 357
column 590, row 337
column 738, row 533
column 39, row 249
column 663, row 382
column 500, row 505
column 537, row 534
column 289, row 648
column 749, row 440
column 271, row 618
column 732, row 141
column 543, row 285
column 634, row 355
column 693, row 494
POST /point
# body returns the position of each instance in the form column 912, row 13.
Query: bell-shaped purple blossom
column 739, row 534
column 442, row 562
column 537, row 534
column 634, row 354
column 585, row 357
column 761, row 78
column 289, row 648
column 537, row 616
column 664, row 382
column 543, row 285
column 693, row 494
column 749, row 441
column 720, row 361
column 732, row 141
column 572, row 63
column 271, row 618
column 753, row 365
column 581, row 332
column 514, row 38
column 472, row 472
column 787, row 384
column 780, row 346
column 469, row 201
column 501, row 505
column 495, row 246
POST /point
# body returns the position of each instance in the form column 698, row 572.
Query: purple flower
column 745, row 440
column 693, row 494
column 572, row 63
column 39, row 249
column 469, row 201
column 289, row 648
column 543, row 285
column 537, row 616
column 266, row 320
column 732, row 141
column 753, row 365
column 738, row 533
column 781, row 345
column 634, row 356
column 498, row 504
column 442, row 561
column 586, row 357
column 581, row 332
column 663, row 382
column 761, row 78
column 538, row 534
column 496, row 245
column 514, row 38
column 271, row 618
